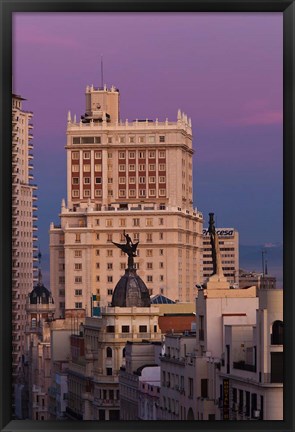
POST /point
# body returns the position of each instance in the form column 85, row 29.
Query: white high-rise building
column 23, row 227
column 134, row 176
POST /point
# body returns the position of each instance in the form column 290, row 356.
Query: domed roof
column 40, row 294
column 131, row 291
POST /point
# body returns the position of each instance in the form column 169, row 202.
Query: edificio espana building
column 125, row 175
column 23, row 229
column 229, row 249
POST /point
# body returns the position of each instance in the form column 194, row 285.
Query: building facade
column 134, row 176
column 23, row 229
column 229, row 249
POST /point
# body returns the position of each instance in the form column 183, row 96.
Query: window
column 125, row 329
column 131, row 167
column 75, row 180
column 142, row 192
column 152, row 167
column 110, row 279
column 141, row 155
column 110, row 329
column 122, row 168
column 121, row 155
column 109, row 238
column 131, row 155
column 141, row 167
column 75, row 193
column 204, row 388
column 75, row 155
column 78, row 238
column 122, row 180
column 162, row 167
column 132, row 139
column 86, row 168
column 110, row 266
column 110, row 292
column 86, row 155
column 162, row 154
column 97, row 252
column 97, row 265
column 149, row 278
column 142, row 329
column 109, row 252
column 191, row 388
column 132, row 192
column 136, row 236
column 152, row 192
column 98, row 192
column 109, row 352
column 162, row 192
column 142, row 180
column 122, row 266
column 132, row 180
column 75, row 168
column 149, row 252
column 162, row 179
column 110, row 140
column 78, row 305
column 97, row 155
column 109, row 371
column 136, row 222
column 78, row 266
column 78, row 292
column 110, row 193
column 149, row 237
column 78, row 279
column 109, row 222
column 98, row 180
column 110, row 155
column 161, row 236
column 161, row 221
column 122, row 222
column 151, row 139
column 162, row 138
column 161, row 278
column 141, row 139
column 277, row 333
column 110, row 180
column 86, row 193
column 122, row 193
column 121, row 139
column 152, row 179
column 161, row 265
column 97, row 167
column 149, row 222
column 149, row 265
column 97, row 236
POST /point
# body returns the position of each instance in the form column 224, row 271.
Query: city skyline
column 237, row 127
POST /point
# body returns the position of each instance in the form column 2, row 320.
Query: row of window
column 149, row 237
column 122, row 180
column 109, row 252
column 109, row 266
column 132, row 193
column 122, row 139
column 109, row 279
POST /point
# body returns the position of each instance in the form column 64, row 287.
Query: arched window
column 109, row 352
column 277, row 333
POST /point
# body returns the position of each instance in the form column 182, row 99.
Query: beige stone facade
column 23, row 227
column 229, row 251
column 134, row 176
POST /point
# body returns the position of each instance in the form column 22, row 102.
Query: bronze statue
column 129, row 248
column 216, row 257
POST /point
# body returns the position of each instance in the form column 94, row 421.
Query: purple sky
column 223, row 70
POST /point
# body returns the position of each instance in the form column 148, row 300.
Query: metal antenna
column 101, row 70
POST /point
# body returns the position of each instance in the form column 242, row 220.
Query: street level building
column 23, row 229
column 125, row 175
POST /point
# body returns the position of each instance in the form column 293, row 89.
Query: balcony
column 242, row 365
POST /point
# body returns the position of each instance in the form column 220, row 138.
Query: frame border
column 7, row 7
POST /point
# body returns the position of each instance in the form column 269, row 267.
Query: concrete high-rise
column 23, row 228
column 134, row 176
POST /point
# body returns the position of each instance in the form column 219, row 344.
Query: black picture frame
column 8, row 7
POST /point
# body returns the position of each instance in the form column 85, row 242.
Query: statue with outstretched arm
column 216, row 257
column 129, row 248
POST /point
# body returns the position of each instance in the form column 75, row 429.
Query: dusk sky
column 224, row 70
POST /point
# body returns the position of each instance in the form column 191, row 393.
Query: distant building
column 23, row 229
column 260, row 280
column 134, row 176
column 229, row 249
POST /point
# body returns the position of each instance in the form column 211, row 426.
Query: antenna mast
column 101, row 70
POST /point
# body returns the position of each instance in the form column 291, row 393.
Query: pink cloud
column 261, row 118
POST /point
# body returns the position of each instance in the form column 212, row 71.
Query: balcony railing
column 242, row 365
